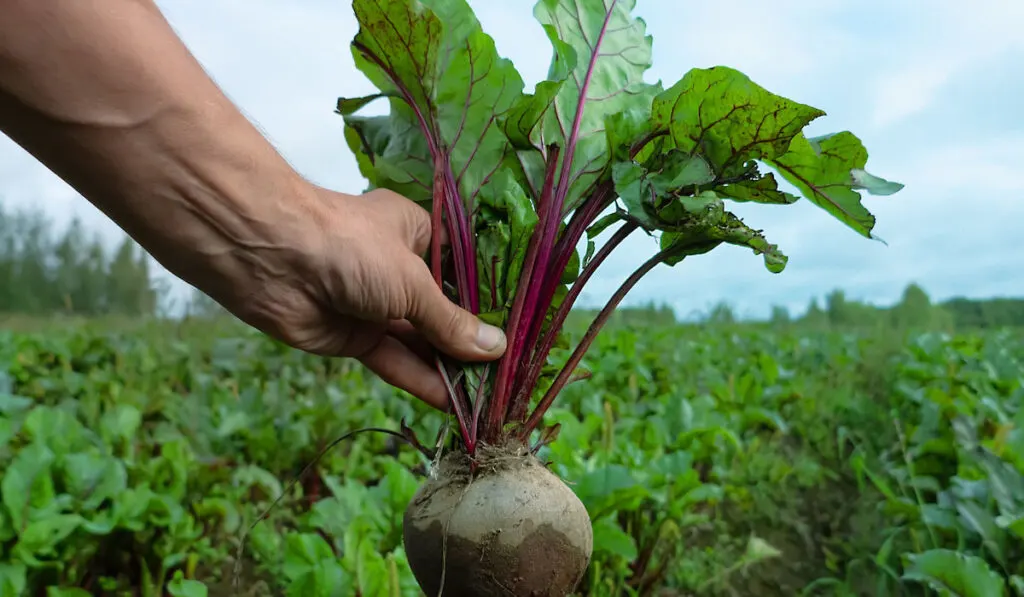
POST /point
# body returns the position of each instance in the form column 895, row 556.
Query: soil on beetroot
column 511, row 529
column 544, row 561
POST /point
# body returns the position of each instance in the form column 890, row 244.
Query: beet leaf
column 520, row 180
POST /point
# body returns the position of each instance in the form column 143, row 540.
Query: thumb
column 450, row 328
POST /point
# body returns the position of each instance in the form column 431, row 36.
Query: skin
column 107, row 96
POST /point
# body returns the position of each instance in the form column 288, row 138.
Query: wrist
column 228, row 224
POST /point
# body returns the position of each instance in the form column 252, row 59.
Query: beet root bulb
column 511, row 528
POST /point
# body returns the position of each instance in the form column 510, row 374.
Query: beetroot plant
column 523, row 184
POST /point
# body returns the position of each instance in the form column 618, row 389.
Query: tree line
column 914, row 310
column 45, row 272
column 71, row 272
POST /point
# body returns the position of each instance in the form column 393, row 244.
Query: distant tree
column 966, row 313
column 71, row 271
column 840, row 311
column 780, row 315
column 8, row 260
column 914, row 309
column 41, row 274
column 34, row 291
column 943, row 319
column 93, row 287
column 649, row 313
column 131, row 291
column 721, row 314
column 815, row 316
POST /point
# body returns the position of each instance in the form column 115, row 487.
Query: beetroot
column 509, row 528
column 519, row 182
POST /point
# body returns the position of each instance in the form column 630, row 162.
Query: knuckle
column 420, row 229
column 379, row 194
column 455, row 324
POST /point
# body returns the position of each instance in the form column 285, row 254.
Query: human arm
column 106, row 95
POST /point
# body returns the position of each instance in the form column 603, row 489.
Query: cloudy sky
column 932, row 87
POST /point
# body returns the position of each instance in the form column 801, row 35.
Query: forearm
column 107, row 96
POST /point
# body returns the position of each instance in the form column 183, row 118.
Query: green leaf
column 982, row 522
column 1014, row 525
column 602, row 224
column 54, row 427
column 612, row 53
column 7, row 432
column 27, row 481
column 735, row 232
column 523, row 124
column 704, row 225
column 222, row 508
column 303, row 552
column 954, row 573
column 678, row 170
column 325, row 579
column 397, row 488
column 41, row 537
column 347, row 106
column 635, row 191
column 822, row 168
column 675, row 465
column 759, row 550
column 652, row 196
column 11, row 404
column 179, row 586
column 435, row 56
column 873, row 184
column 759, row 190
column 503, row 234
column 572, row 268
column 591, row 249
column 885, row 552
column 13, row 579
column 68, row 592
column 627, row 131
column 722, row 115
column 121, row 422
column 371, row 569
column 670, row 174
column 1005, row 483
column 391, row 151
column 610, row 488
column 705, row 492
column 93, row 478
column 753, row 415
column 611, row 539
column 253, row 476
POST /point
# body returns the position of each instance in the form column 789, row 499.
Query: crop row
column 712, row 461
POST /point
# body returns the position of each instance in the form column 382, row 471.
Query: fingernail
column 489, row 337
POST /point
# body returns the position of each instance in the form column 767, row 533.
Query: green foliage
column 516, row 179
column 43, row 274
column 717, row 461
column 914, row 311
column 991, row 313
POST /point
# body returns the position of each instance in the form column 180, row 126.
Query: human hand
column 357, row 286
column 116, row 105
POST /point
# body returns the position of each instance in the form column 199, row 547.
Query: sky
column 932, row 88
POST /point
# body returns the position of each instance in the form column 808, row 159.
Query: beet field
column 733, row 460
